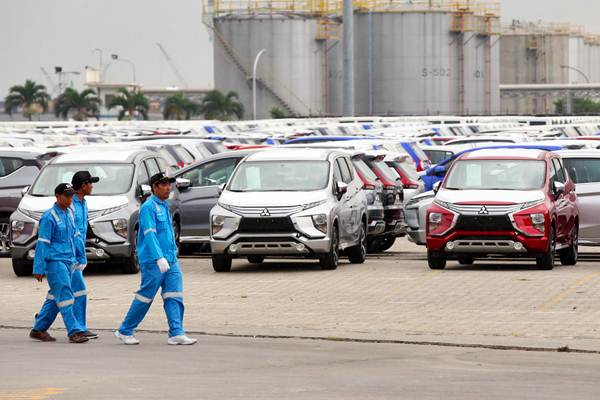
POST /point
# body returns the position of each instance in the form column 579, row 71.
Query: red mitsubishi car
column 504, row 202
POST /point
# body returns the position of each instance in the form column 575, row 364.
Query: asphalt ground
column 389, row 328
column 248, row 368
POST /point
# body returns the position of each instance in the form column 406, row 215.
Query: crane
column 51, row 83
column 171, row 63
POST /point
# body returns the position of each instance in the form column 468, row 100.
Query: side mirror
column 145, row 191
column 559, row 188
column 436, row 186
column 24, row 191
column 183, row 184
column 342, row 188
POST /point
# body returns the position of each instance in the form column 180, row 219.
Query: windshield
column 497, row 175
column 365, row 171
column 268, row 176
column 114, row 178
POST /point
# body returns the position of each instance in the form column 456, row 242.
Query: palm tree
column 132, row 103
column 31, row 98
column 85, row 104
column 216, row 105
column 178, row 106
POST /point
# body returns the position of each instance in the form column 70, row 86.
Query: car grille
column 484, row 223
column 275, row 211
column 474, row 209
column 266, row 225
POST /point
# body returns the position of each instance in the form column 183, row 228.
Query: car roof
column 532, row 154
column 279, row 153
column 24, row 152
column 586, row 153
column 113, row 155
column 220, row 156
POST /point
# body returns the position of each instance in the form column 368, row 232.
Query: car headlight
column 313, row 204
column 17, row 228
column 120, row 227
column 320, row 222
column 224, row 225
column 224, row 206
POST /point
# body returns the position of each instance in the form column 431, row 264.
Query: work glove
column 163, row 265
column 81, row 267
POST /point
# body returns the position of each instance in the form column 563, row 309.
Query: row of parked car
column 316, row 196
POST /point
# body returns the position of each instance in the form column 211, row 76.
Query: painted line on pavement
column 557, row 298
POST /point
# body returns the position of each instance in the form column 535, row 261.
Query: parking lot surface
column 245, row 368
column 393, row 297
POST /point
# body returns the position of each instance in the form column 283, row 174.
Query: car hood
column 33, row 203
column 272, row 199
column 489, row 196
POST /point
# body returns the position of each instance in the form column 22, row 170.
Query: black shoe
column 90, row 335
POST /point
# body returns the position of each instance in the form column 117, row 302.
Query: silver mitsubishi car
column 305, row 203
column 113, row 207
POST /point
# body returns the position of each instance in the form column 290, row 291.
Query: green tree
column 277, row 113
column 178, row 106
column 84, row 103
column 133, row 103
column 216, row 105
column 31, row 98
column 581, row 105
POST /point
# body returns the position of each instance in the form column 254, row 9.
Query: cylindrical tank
column 419, row 63
column 292, row 72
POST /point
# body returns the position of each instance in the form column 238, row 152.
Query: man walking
column 83, row 184
column 157, row 253
column 55, row 253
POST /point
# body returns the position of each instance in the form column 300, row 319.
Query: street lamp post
column 568, row 108
column 117, row 58
column 99, row 63
column 260, row 53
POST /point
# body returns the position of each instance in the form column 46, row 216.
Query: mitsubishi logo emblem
column 483, row 211
column 265, row 213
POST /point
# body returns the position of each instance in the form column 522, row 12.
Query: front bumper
column 95, row 252
column 487, row 243
column 292, row 244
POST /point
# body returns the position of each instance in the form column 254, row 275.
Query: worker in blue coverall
column 55, row 255
column 157, row 254
column 83, row 184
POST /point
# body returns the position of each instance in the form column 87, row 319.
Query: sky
column 49, row 33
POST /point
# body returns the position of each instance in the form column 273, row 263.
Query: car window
column 152, row 167
column 552, row 175
column 337, row 174
column 560, row 174
column 212, row 173
column 142, row 175
column 583, row 170
column 350, row 168
column 9, row 165
column 345, row 171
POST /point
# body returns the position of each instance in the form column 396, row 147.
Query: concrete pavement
column 244, row 368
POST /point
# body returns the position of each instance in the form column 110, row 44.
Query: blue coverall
column 156, row 239
column 80, row 212
column 55, row 254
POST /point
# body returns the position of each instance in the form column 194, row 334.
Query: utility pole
column 348, row 55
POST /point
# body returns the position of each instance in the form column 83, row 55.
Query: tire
column 177, row 231
column 358, row 254
column 22, row 267
column 387, row 242
column 546, row 260
column 132, row 264
column 570, row 255
column 465, row 260
column 436, row 260
column 256, row 259
column 221, row 263
column 374, row 245
column 330, row 260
